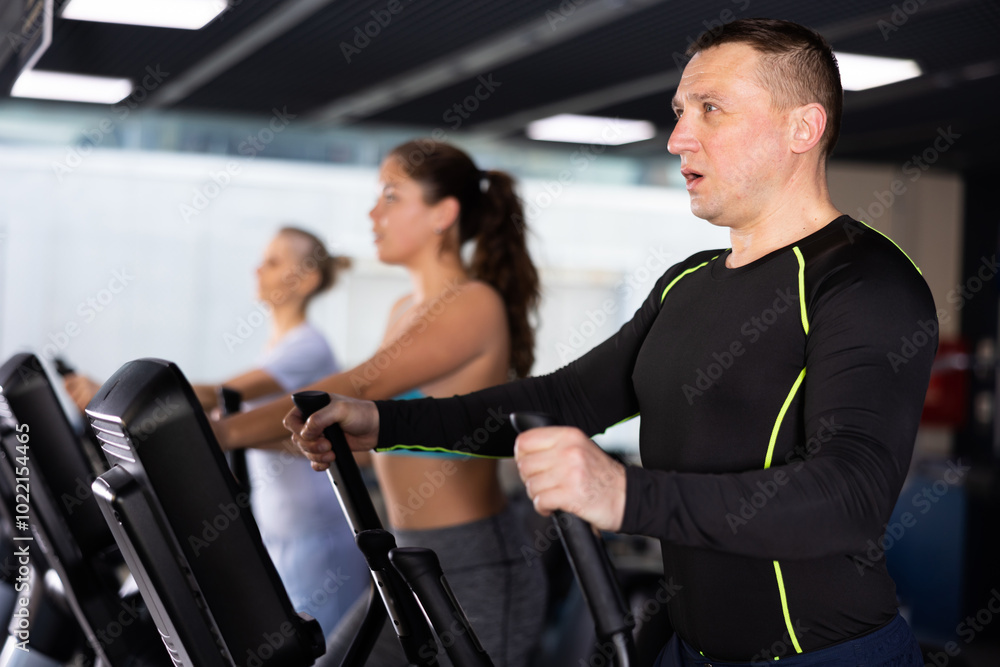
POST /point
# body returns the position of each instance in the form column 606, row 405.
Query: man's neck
column 791, row 220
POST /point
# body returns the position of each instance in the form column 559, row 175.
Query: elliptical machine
column 421, row 570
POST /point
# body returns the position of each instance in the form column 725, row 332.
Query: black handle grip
column 422, row 571
column 229, row 400
column 63, row 368
column 591, row 565
column 344, row 473
column 407, row 620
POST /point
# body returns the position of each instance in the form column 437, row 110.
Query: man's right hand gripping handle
column 590, row 564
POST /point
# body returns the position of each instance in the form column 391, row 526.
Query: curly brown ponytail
column 491, row 214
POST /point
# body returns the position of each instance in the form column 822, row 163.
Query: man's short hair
column 797, row 66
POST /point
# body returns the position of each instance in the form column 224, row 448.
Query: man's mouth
column 691, row 178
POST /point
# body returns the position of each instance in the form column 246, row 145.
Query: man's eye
column 678, row 113
column 710, row 107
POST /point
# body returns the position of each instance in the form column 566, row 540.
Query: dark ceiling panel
column 108, row 49
column 936, row 39
column 306, row 68
column 647, row 43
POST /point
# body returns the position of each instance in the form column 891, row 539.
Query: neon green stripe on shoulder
column 802, row 288
column 893, row 243
column 683, row 273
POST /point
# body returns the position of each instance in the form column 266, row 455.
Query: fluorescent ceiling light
column 590, row 130
column 71, row 87
column 859, row 72
column 186, row 14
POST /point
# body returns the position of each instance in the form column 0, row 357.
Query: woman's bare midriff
column 423, row 492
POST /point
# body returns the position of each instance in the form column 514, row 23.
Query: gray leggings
column 503, row 593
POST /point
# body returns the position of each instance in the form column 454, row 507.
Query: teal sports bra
column 409, row 396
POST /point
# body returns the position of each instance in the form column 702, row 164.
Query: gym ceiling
column 410, row 62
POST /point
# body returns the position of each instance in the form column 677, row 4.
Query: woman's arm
column 252, row 384
column 452, row 332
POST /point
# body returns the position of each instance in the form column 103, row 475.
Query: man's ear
column 808, row 123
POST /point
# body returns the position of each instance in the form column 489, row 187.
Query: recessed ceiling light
column 859, row 72
column 71, row 87
column 185, row 14
column 590, row 130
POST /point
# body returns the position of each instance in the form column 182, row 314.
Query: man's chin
column 706, row 214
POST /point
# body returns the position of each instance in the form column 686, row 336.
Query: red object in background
column 947, row 397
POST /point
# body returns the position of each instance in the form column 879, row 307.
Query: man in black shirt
column 780, row 384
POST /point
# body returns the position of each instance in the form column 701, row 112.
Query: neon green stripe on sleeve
column 781, row 417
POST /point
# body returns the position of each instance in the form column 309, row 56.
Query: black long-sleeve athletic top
column 779, row 401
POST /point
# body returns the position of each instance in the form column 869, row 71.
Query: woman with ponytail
column 463, row 327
